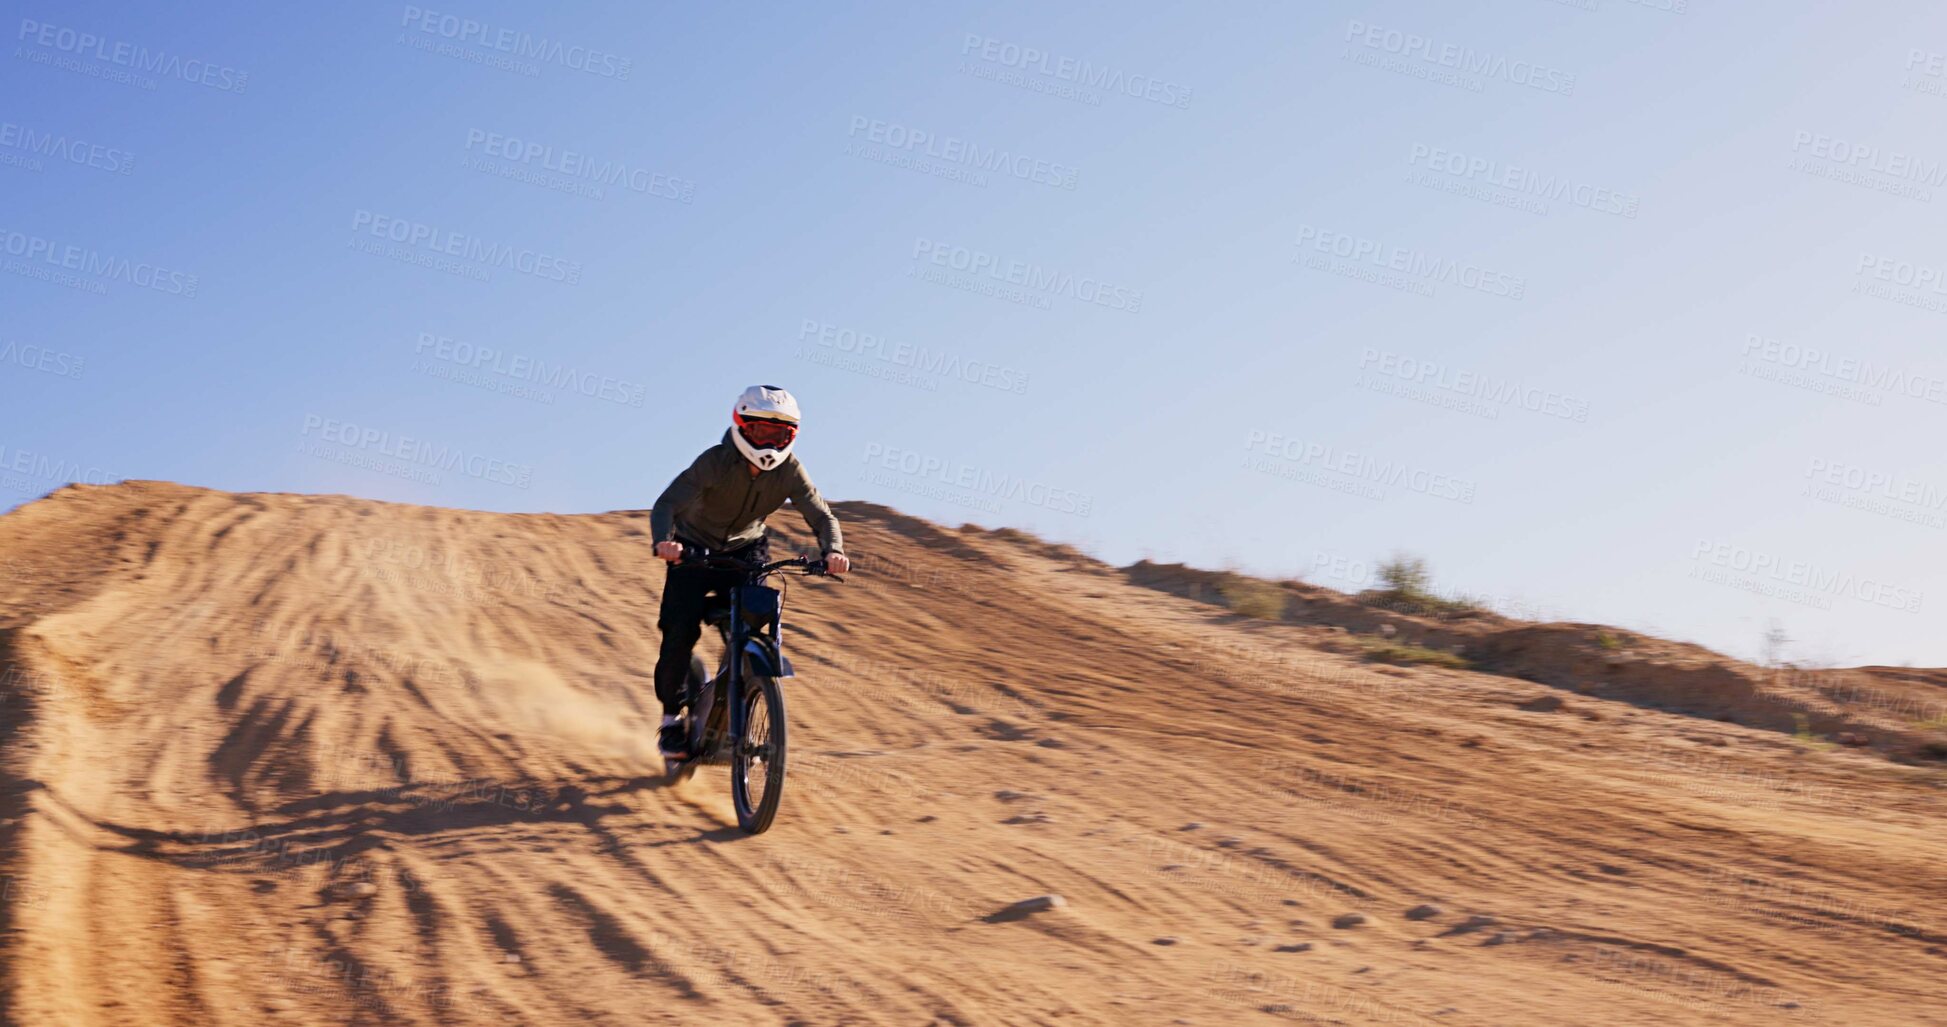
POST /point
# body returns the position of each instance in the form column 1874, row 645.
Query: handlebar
column 693, row 558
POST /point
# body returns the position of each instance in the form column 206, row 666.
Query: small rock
column 1303, row 946
column 1191, row 826
column 358, row 890
column 1422, row 912
column 927, row 819
column 1388, row 630
column 1544, row 704
column 1852, row 738
column 1345, row 920
column 511, row 957
column 1497, row 938
column 1026, row 908
column 1470, row 925
column 1007, row 796
column 1163, row 941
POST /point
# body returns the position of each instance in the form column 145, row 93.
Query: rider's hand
column 671, row 551
column 837, row 563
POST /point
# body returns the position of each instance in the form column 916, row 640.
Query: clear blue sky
column 1265, row 285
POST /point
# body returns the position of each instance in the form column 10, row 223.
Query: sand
column 324, row 760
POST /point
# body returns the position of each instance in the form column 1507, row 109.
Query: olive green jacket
column 717, row 501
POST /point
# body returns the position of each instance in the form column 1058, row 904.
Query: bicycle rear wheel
column 757, row 765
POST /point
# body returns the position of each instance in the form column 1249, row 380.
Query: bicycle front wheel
column 757, row 766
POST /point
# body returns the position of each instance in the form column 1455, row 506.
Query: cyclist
column 718, row 505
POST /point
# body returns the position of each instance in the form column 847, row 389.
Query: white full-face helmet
column 764, row 425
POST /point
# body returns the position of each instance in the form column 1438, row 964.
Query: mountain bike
column 737, row 716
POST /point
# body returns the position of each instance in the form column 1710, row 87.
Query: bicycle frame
column 742, row 645
column 737, row 639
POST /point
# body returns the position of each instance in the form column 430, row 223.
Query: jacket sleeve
column 680, row 493
column 817, row 515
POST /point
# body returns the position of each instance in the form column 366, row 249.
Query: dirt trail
column 322, row 760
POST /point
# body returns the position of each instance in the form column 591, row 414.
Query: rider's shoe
column 674, row 740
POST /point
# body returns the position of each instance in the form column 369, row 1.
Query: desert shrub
column 1803, row 735
column 1772, row 646
column 1409, row 589
column 1252, row 597
column 1384, row 650
column 1404, row 574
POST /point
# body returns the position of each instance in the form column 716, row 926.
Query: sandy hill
column 323, row 760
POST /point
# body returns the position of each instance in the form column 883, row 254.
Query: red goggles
column 766, row 434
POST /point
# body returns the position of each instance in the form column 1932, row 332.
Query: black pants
column 685, row 592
